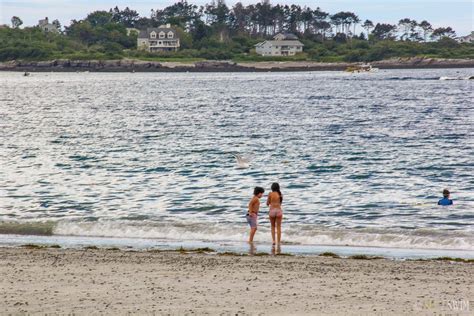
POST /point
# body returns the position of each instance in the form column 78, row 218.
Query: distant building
column 47, row 27
column 158, row 39
column 283, row 44
column 466, row 39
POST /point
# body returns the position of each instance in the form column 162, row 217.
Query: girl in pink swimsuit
column 274, row 201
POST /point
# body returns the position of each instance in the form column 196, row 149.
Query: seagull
column 242, row 162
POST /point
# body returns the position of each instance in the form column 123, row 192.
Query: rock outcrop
column 131, row 65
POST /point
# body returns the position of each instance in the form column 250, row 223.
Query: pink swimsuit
column 275, row 212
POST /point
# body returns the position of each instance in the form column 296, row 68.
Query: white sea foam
column 300, row 234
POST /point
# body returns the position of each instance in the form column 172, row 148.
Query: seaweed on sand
column 329, row 254
column 364, row 257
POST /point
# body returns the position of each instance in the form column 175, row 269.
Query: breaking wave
column 218, row 232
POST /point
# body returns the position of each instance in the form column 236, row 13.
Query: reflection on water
column 252, row 248
column 129, row 153
column 276, row 249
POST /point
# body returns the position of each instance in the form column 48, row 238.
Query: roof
column 281, row 43
column 146, row 33
column 288, row 36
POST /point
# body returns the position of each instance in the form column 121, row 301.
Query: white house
column 282, row 45
column 47, row 27
column 163, row 38
column 466, row 39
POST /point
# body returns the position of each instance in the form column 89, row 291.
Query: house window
column 160, row 42
column 153, row 35
column 170, row 34
column 162, row 34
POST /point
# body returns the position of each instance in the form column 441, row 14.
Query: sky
column 459, row 14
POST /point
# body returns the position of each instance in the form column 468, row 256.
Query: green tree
column 427, row 29
column 16, row 22
column 127, row 17
column 368, row 25
column 405, row 25
column 57, row 24
column 384, row 31
column 441, row 32
column 99, row 18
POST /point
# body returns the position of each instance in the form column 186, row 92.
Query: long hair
column 276, row 188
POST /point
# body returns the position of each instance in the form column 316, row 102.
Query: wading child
column 252, row 215
column 445, row 200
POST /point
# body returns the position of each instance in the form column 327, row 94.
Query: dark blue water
column 362, row 158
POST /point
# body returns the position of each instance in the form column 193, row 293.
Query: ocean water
column 362, row 159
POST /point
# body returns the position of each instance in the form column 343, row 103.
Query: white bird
column 242, row 162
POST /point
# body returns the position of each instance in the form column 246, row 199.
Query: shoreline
column 62, row 281
column 239, row 247
column 131, row 65
column 253, row 250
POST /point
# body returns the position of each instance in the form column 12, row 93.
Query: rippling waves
column 352, row 152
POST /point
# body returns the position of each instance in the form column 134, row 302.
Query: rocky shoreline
column 130, row 65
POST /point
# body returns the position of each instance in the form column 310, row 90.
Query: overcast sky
column 455, row 13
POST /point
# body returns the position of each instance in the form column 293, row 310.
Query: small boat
column 361, row 68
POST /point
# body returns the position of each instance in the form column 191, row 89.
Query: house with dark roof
column 283, row 44
column 158, row 39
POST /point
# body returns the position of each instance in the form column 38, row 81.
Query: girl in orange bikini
column 274, row 201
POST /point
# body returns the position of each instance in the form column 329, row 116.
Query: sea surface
column 362, row 159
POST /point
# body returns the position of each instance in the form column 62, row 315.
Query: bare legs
column 276, row 222
column 272, row 222
column 252, row 233
column 278, row 226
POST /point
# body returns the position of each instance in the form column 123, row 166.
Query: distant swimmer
column 252, row 214
column 445, row 200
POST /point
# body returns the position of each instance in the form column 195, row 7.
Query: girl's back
column 274, row 200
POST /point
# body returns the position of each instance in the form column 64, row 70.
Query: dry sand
column 59, row 281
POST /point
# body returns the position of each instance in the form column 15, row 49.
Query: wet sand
column 60, row 281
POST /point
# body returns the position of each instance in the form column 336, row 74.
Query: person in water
column 445, row 200
column 252, row 214
column 274, row 201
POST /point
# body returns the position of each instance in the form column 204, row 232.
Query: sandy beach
column 100, row 281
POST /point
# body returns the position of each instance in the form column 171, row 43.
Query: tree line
column 264, row 19
column 217, row 31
